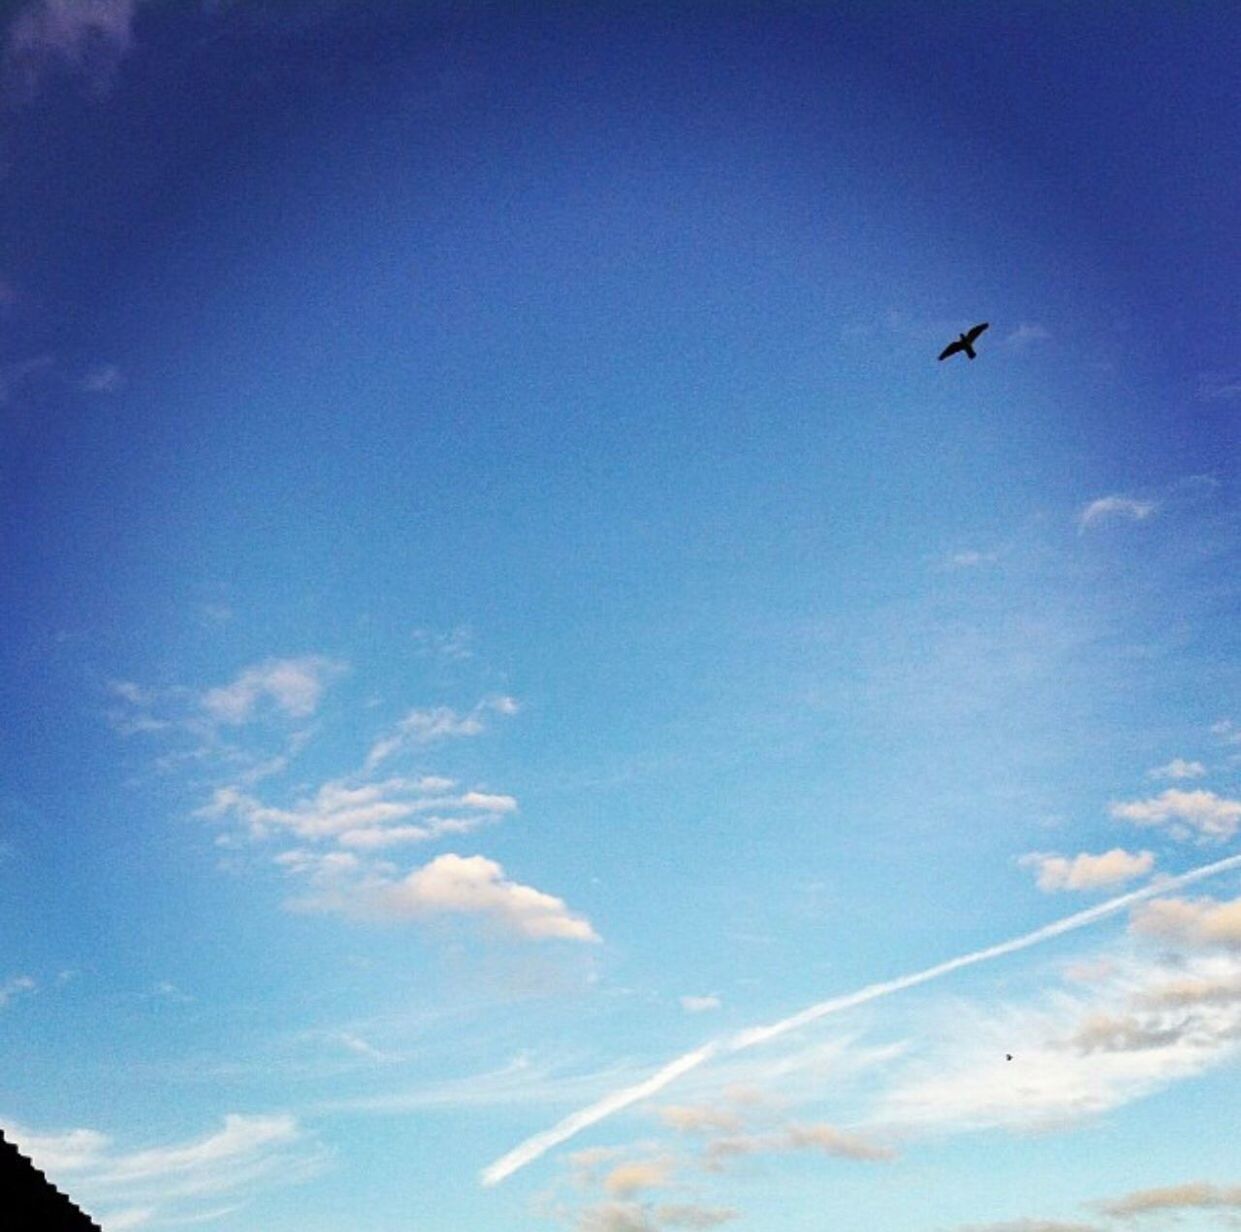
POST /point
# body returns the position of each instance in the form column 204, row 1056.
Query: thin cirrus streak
column 533, row 1147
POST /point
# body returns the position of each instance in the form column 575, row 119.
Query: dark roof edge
column 18, row 1160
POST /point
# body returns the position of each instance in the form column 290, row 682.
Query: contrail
column 540, row 1143
column 532, row 1148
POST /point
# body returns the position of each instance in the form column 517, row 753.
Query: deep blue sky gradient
column 610, row 337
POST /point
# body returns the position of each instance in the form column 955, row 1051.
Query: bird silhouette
column 1008, row 1056
column 964, row 343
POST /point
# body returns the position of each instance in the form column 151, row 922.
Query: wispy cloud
column 534, row 1147
column 17, row 375
column 366, row 815
column 88, row 38
column 700, row 1005
column 1184, row 814
column 106, row 379
column 1216, row 387
column 970, row 558
column 821, row 1138
column 1087, row 872
column 1025, row 334
column 421, row 727
column 1075, row 1056
column 246, row 1153
column 1115, row 509
column 1029, row 1225
column 15, row 987
column 454, row 646
column 693, row 1215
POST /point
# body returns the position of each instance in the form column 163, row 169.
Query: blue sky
column 499, row 599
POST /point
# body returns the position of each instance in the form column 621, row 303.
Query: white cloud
column 971, row 559
column 700, row 1005
column 1184, row 813
column 473, row 885
column 14, row 987
column 293, row 686
column 427, row 726
column 1025, row 334
column 1178, row 768
column 1115, row 508
column 90, row 37
column 1195, row 922
column 1087, row 872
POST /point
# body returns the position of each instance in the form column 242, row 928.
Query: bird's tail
column 969, row 350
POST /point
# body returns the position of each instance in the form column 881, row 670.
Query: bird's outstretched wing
column 976, row 331
column 951, row 349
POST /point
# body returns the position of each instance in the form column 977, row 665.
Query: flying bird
column 964, row 343
column 1008, row 1056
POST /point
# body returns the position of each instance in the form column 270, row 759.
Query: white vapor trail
column 530, row 1150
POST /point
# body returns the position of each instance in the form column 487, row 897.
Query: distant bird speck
column 1008, row 1056
column 964, row 343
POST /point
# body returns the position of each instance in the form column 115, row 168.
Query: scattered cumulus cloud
column 1194, row 923
column 292, row 686
column 1178, row 768
column 693, row 1216
column 1087, row 872
column 700, row 1005
column 1115, row 509
column 627, row 1179
column 614, row 1217
column 817, row 1137
column 1184, row 814
column 699, row 1119
column 1192, row 1196
column 475, row 886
